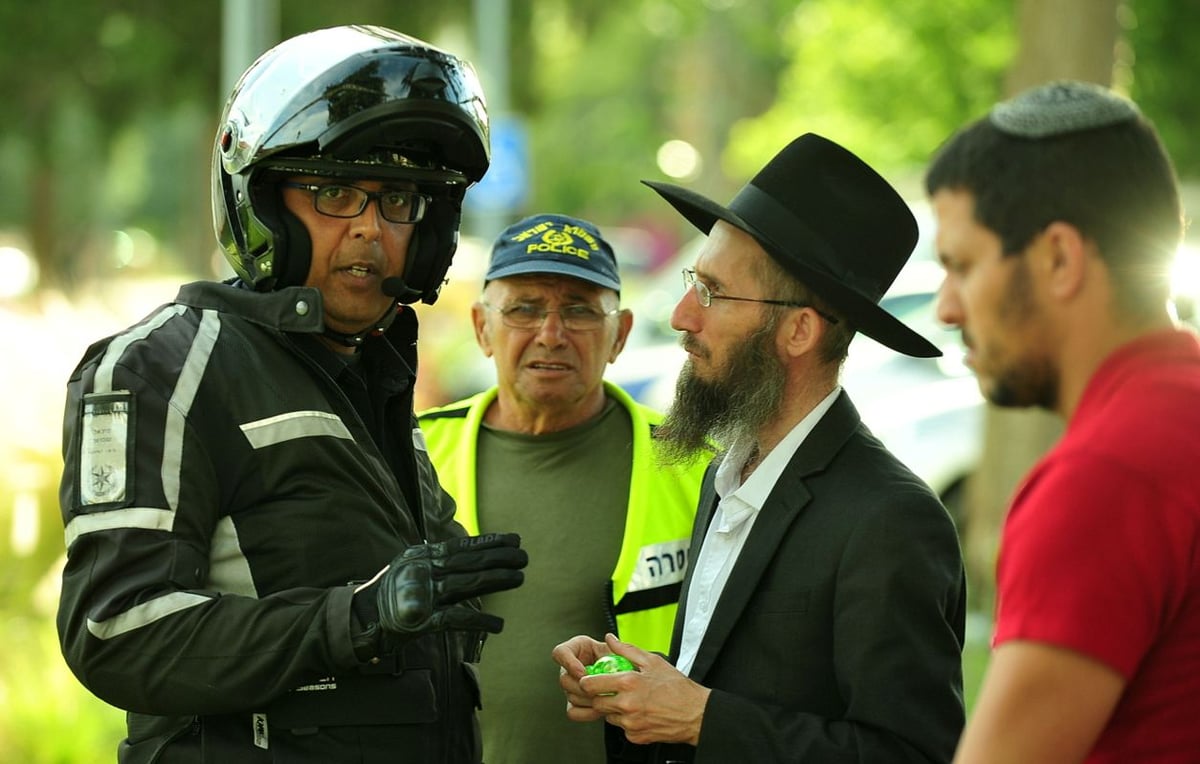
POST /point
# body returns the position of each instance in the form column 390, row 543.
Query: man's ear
column 1063, row 259
column 624, row 326
column 800, row 332
column 479, row 322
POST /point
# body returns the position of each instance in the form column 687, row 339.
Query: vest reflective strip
column 660, row 564
column 294, row 424
column 648, row 599
column 181, row 403
column 142, row 518
column 146, row 613
column 228, row 568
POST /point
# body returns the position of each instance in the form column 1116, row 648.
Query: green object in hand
column 610, row 664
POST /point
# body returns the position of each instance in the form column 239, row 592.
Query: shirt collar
column 757, row 488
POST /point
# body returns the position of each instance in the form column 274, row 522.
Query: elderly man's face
column 550, row 367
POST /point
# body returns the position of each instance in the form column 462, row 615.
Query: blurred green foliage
column 1161, row 59
column 46, row 717
column 890, row 80
column 102, row 98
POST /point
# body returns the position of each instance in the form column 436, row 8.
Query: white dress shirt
column 734, row 517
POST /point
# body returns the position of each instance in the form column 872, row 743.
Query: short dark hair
column 1115, row 183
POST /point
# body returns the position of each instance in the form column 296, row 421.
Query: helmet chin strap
column 393, row 287
column 377, row 327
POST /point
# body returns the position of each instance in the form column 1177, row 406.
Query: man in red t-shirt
column 1058, row 216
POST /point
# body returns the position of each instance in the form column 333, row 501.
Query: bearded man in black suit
column 822, row 616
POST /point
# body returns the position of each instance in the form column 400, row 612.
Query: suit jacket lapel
column 787, row 498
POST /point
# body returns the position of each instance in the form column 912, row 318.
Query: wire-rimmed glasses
column 706, row 296
column 575, row 318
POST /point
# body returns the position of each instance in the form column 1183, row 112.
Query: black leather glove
column 421, row 589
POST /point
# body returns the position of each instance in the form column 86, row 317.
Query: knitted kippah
column 1061, row 107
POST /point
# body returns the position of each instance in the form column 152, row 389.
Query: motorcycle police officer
column 262, row 566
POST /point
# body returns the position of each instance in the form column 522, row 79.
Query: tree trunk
column 1059, row 39
column 1065, row 39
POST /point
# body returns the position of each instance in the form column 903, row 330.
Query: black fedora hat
column 832, row 222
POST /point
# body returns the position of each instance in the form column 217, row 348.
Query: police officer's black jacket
column 227, row 482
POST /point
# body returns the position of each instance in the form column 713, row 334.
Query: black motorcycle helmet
column 349, row 102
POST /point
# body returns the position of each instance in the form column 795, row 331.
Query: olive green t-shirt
column 566, row 493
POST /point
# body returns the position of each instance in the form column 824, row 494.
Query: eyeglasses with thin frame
column 338, row 200
column 706, row 296
column 575, row 318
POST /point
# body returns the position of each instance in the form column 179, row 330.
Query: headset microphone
column 394, row 286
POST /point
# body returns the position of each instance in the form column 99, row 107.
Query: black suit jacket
column 838, row 637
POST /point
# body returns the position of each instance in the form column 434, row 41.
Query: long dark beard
column 746, row 392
